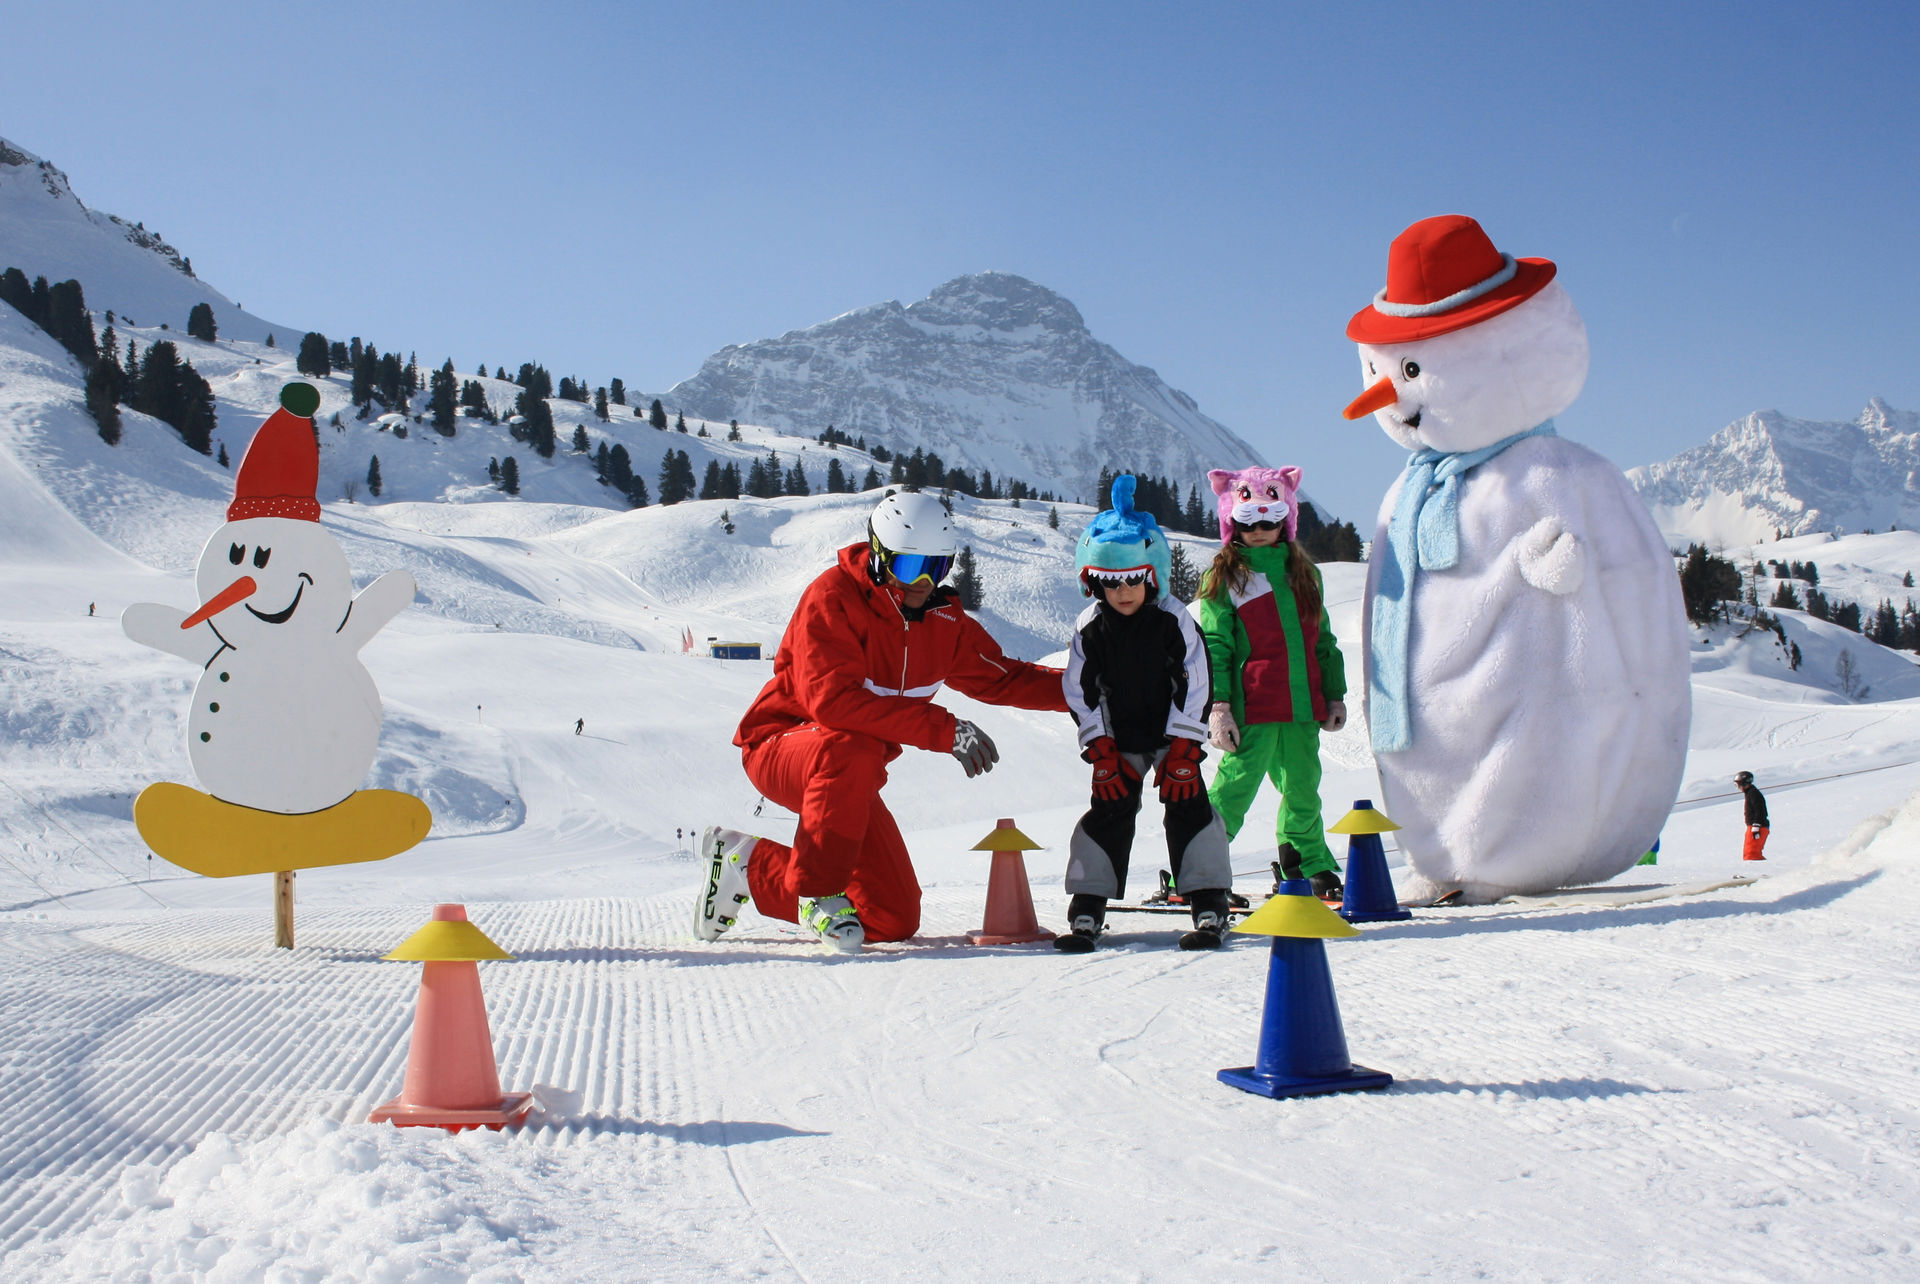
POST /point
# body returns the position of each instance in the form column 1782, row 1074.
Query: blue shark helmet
column 1122, row 543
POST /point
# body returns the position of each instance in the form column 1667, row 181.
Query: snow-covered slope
column 45, row 230
column 1770, row 472
column 988, row 371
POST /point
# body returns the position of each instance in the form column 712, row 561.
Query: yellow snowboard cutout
column 200, row 833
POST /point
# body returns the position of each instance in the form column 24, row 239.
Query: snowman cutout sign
column 285, row 718
column 1528, row 690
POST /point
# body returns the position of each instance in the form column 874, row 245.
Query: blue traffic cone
column 1369, row 897
column 1303, row 1049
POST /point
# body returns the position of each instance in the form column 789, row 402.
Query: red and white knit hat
column 281, row 472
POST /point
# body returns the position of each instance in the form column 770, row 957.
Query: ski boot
column 1210, row 916
column 1166, row 895
column 1086, row 916
column 833, row 920
column 725, row 890
column 1327, row 886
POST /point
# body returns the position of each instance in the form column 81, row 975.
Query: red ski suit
column 854, row 680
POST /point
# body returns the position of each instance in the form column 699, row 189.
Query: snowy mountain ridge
column 988, row 371
column 47, row 230
column 1771, row 472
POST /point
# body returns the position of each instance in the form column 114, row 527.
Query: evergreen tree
column 103, row 398
column 1847, row 616
column 493, row 471
column 69, row 322
column 620, row 469
column 756, row 476
column 730, row 482
column 510, row 476
column 1182, row 575
column 1784, row 596
column 474, row 397
column 600, row 405
column 158, row 391
column 391, row 380
column 1706, row 581
column 657, row 415
column 1053, row 519
column 1817, row 605
column 637, row 491
column 197, row 414
column 733, row 430
column 836, row 477
column 365, row 374
column 797, row 480
column 270, row 342
column 314, row 358
column 617, row 393
column 442, row 403
column 710, row 484
column 38, row 312
column 338, row 357
column 600, row 462
column 16, row 290
column 373, row 476
column 1195, row 517
column 200, row 324
column 676, row 477
column 580, row 443
column 872, row 480
column 1885, row 626
column 966, row 580
column 538, row 428
column 223, row 452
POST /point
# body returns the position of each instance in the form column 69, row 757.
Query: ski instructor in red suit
column 872, row 641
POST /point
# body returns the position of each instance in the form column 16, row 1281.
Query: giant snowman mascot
column 1527, row 667
column 285, row 718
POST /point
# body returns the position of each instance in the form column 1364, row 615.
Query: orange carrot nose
column 1378, row 397
column 226, row 597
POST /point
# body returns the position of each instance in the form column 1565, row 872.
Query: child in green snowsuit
column 1278, row 675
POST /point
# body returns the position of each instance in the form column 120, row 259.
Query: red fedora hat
column 1444, row 274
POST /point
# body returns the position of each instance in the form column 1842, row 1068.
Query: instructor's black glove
column 973, row 748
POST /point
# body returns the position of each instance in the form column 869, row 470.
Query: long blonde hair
column 1231, row 569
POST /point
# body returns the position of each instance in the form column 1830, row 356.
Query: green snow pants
column 1289, row 754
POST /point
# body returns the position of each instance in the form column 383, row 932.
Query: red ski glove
column 1178, row 776
column 1112, row 774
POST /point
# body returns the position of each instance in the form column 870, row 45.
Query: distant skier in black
column 579, row 725
column 90, row 610
column 1757, row 827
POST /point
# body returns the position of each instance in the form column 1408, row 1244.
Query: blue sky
column 620, row 189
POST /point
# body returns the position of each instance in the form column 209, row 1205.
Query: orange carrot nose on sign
column 1378, row 397
column 237, row 591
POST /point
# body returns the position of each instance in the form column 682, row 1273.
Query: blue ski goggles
column 911, row 568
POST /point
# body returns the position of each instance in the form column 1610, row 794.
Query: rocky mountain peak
column 997, row 301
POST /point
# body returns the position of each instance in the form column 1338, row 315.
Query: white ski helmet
column 910, row 533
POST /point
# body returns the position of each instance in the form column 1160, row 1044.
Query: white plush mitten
column 1551, row 558
column 1223, row 733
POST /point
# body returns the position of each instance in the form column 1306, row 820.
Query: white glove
column 975, row 751
column 1336, row 715
column 1222, row 732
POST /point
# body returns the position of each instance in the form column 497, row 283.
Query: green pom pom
column 301, row 399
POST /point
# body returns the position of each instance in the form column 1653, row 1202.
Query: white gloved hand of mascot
column 1336, row 716
column 1551, row 558
column 1222, row 732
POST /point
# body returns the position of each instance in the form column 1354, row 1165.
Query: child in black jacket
column 1138, row 685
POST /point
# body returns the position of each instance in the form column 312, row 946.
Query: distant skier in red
column 872, row 640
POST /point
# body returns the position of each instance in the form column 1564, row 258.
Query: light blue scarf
column 1423, row 534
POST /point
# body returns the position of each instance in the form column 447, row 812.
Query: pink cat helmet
column 1254, row 495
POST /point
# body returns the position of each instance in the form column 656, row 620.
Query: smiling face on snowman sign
column 285, row 718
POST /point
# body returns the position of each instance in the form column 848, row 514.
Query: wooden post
column 283, row 910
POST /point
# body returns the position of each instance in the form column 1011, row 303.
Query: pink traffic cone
column 451, row 1081
column 1010, row 919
